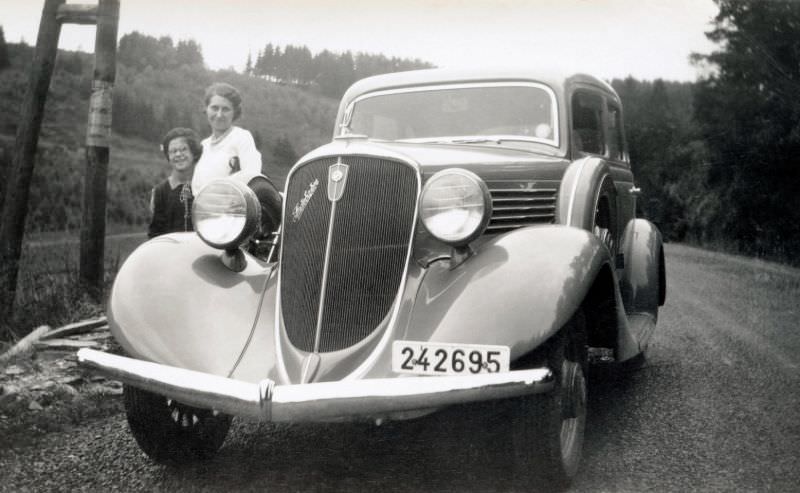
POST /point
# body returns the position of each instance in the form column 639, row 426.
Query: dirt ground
column 44, row 389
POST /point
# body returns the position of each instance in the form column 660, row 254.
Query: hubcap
column 605, row 236
column 182, row 416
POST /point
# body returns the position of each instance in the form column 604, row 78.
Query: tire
column 548, row 429
column 170, row 432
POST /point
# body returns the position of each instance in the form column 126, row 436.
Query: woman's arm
column 249, row 157
column 156, row 215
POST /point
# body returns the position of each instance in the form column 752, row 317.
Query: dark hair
column 227, row 91
column 192, row 140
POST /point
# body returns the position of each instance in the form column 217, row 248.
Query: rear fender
column 643, row 285
column 517, row 290
column 174, row 302
column 583, row 182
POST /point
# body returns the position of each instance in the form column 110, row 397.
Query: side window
column 615, row 143
column 587, row 123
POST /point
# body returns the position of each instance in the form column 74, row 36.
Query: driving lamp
column 226, row 213
column 455, row 206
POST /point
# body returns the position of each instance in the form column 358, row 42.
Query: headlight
column 455, row 206
column 226, row 213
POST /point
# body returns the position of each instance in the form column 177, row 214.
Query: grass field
column 48, row 287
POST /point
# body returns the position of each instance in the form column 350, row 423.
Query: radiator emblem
column 297, row 212
column 337, row 180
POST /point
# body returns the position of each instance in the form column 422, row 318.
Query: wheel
column 548, row 429
column 170, row 432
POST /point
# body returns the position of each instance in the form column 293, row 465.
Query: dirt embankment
column 43, row 389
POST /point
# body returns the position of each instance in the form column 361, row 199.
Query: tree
column 165, row 54
column 749, row 112
column 4, row 60
column 70, row 62
column 188, row 52
column 666, row 153
column 138, row 51
column 264, row 61
column 248, row 67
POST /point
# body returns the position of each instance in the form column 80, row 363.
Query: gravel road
column 716, row 407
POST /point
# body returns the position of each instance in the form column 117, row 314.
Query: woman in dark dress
column 171, row 200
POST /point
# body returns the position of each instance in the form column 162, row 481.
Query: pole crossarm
column 77, row 14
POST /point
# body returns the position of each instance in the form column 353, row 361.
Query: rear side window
column 587, row 123
column 615, row 142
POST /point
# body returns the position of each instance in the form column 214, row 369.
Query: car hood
column 490, row 161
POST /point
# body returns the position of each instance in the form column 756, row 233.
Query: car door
column 619, row 164
column 596, row 121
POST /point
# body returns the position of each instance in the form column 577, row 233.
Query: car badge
column 297, row 212
column 337, row 179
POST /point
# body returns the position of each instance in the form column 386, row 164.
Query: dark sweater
column 172, row 209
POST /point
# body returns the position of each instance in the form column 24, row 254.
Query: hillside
column 286, row 122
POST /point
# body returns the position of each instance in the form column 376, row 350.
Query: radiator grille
column 371, row 235
column 516, row 207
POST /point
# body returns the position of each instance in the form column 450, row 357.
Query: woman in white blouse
column 229, row 149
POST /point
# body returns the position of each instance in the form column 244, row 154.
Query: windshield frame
column 554, row 142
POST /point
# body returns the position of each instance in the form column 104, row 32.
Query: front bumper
column 321, row 401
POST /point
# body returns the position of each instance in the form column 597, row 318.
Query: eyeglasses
column 178, row 150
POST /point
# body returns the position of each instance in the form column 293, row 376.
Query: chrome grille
column 370, row 239
column 517, row 206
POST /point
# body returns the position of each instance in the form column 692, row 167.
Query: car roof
column 555, row 79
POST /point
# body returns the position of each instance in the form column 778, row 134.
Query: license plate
column 426, row 358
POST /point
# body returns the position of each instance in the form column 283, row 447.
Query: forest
column 716, row 158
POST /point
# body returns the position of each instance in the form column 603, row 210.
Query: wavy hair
column 192, row 140
column 227, row 91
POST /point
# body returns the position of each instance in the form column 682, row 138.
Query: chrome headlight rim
column 245, row 197
column 481, row 190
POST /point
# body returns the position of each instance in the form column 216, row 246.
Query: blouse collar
column 216, row 140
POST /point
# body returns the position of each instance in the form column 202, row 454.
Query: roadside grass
column 768, row 254
column 52, row 394
column 49, row 290
column 773, row 289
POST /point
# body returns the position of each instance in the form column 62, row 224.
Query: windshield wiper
column 477, row 140
column 471, row 140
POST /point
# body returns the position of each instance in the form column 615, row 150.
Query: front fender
column 517, row 290
column 174, row 302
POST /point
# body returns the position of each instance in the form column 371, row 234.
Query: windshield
column 471, row 113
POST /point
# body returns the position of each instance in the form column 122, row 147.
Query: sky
column 647, row 39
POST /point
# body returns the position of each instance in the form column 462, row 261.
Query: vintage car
column 466, row 237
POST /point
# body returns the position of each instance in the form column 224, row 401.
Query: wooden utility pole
column 15, row 204
column 98, row 142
